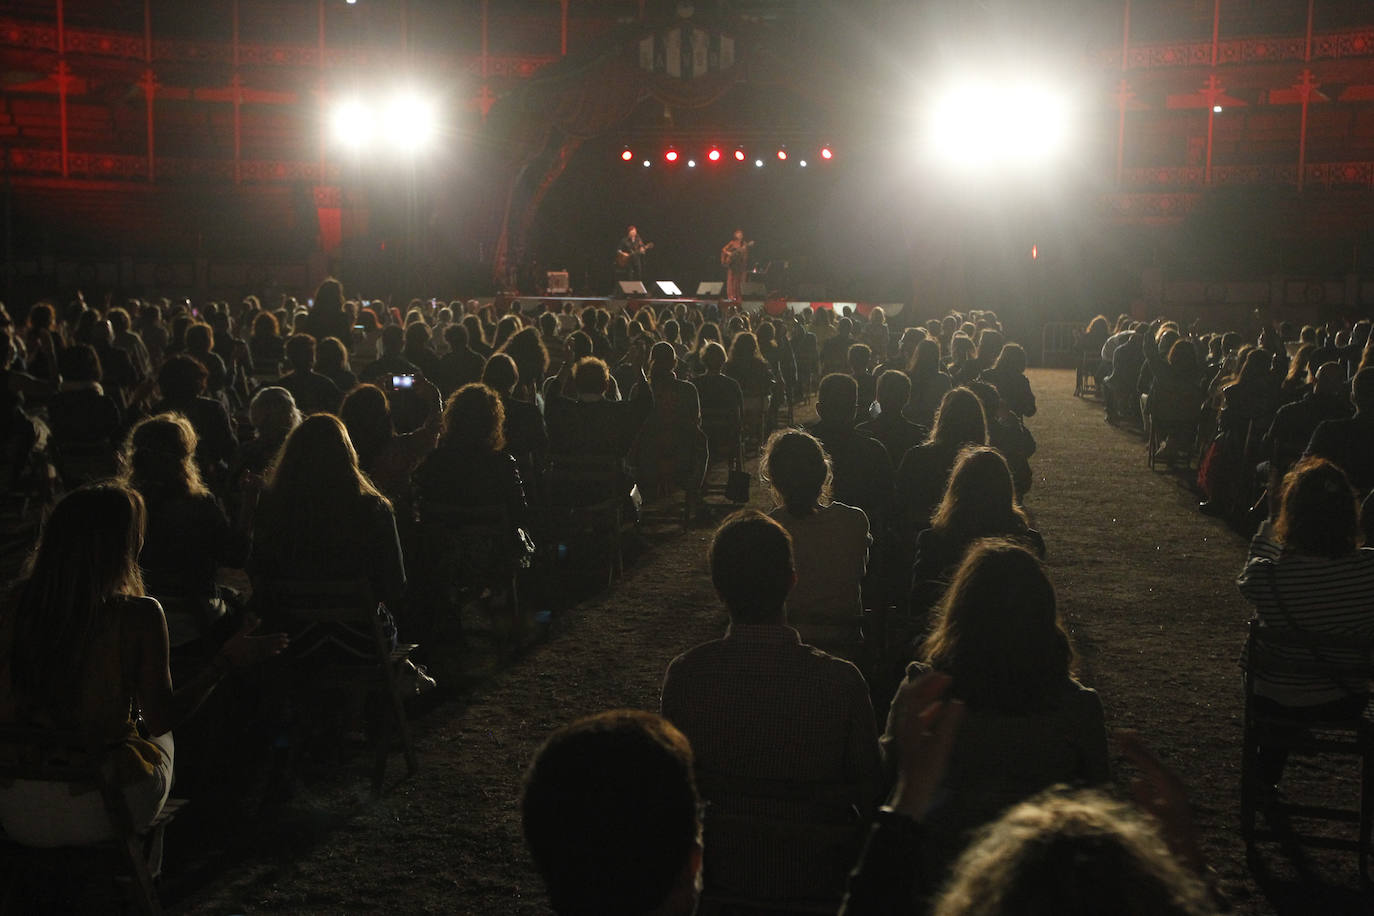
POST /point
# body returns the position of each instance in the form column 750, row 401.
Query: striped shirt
column 1322, row 595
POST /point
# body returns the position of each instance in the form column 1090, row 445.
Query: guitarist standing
column 734, row 257
column 629, row 256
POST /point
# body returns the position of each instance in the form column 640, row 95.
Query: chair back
column 1285, row 650
column 321, row 601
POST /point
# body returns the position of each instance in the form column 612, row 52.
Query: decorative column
column 148, row 84
column 236, row 90
column 1305, row 87
column 64, row 75
column 1211, row 92
column 1123, row 93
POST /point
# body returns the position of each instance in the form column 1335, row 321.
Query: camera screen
column 402, row 381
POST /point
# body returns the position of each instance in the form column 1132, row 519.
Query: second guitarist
column 734, row 257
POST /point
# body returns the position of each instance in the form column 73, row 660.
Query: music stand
column 710, row 290
column 668, row 287
column 631, row 288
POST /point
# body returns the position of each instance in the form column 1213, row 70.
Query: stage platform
column 536, row 304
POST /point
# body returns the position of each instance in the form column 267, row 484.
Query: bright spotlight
column 1216, row 109
column 691, row 163
column 782, row 155
column 647, row 163
column 758, row 163
column 713, row 155
column 975, row 124
column 671, row 155
column 739, row 155
column 626, row 155
column 410, row 120
column 350, row 123
column 826, row 153
column 802, row 163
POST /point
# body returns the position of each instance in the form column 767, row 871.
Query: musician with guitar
column 629, row 255
column 734, row 257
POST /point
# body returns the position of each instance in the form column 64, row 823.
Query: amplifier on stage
column 557, row 282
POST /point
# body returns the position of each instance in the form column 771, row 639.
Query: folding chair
column 755, row 420
column 586, row 505
column 347, row 604
column 71, row 757
column 469, row 553
column 820, row 817
column 724, row 428
column 1277, row 651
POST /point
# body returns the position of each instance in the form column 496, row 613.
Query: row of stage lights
column 716, row 154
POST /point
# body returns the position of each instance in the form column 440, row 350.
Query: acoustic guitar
column 735, row 257
column 622, row 257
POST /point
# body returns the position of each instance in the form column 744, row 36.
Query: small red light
column 782, row 155
column 739, row 155
column 1035, row 252
column 713, row 155
column 826, row 153
column 627, row 155
column 671, row 155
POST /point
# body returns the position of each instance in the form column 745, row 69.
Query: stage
column 530, row 305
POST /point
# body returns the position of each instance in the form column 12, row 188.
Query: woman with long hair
column 748, row 367
column 929, row 383
column 470, row 465
column 273, row 414
column 1307, row 571
column 82, row 647
column 1008, row 376
column 921, row 476
column 830, row 541
column 188, row 535
column 388, row 458
column 321, row 519
column 1029, row 724
column 979, row 502
column 526, row 348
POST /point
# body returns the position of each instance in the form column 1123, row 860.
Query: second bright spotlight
column 404, row 119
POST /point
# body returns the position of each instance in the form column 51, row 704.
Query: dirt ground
column 1145, row 582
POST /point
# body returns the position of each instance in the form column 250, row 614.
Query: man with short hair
column 609, row 812
column 781, row 730
column 894, row 431
column 863, row 468
column 392, row 360
column 314, row 393
column 1295, row 423
column 1349, row 444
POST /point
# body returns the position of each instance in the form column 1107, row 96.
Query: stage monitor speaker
column 668, row 287
column 753, row 288
column 632, row 288
column 709, row 289
column 557, row 282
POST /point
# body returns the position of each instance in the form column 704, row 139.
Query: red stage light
column 739, row 155
column 713, row 155
column 1035, row 252
column 671, row 155
column 826, row 153
column 782, row 155
column 626, row 155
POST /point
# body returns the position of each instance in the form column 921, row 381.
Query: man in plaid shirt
column 784, row 735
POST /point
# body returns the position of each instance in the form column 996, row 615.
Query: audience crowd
column 898, row 579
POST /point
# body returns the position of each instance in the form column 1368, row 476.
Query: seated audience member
column 82, row 647
column 331, row 361
column 1075, row 853
column 526, row 350
column 181, row 380
column 748, row 367
column 1120, row 384
column 716, row 390
column 125, row 338
column 320, row 519
column 188, row 535
column 928, row 384
column 81, row 413
column 760, row 706
column 314, row 393
column 610, row 816
column 1349, row 443
column 829, row 541
column 922, row 474
column 273, row 414
column 388, row 458
column 1307, row 571
column 979, row 502
column 526, row 435
column 671, row 450
column 588, row 424
column 861, row 466
column 392, row 361
column 200, row 346
column 1008, row 376
column 416, row 348
column 963, row 361
column 1295, row 423
column 859, row 358
column 891, row 427
column 835, row 350
column 266, row 345
column 1176, row 391
column 1008, row 434
column 461, row 365
column 998, row 636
